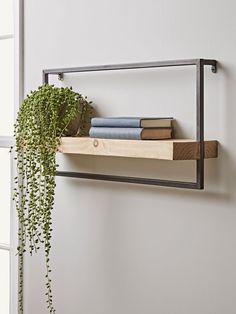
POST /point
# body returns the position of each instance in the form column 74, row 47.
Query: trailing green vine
column 45, row 116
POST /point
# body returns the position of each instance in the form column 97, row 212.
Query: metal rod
column 200, row 123
column 129, row 66
column 134, row 180
column 45, row 77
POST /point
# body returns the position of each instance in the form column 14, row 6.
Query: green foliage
column 44, row 117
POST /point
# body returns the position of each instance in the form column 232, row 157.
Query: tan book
column 156, row 134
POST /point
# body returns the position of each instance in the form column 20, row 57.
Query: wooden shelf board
column 174, row 149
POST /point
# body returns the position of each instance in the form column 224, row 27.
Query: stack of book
column 131, row 128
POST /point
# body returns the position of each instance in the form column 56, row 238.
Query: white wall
column 120, row 248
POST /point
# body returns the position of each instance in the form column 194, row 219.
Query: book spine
column 116, row 133
column 116, row 122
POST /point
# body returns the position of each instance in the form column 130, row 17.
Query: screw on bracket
column 60, row 76
column 214, row 68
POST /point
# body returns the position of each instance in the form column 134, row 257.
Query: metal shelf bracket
column 199, row 65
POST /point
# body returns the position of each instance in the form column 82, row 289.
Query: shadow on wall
column 226, row 161
column 220, row 173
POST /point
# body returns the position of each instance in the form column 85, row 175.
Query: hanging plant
column 45, row 116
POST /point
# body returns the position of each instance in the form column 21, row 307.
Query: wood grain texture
column 175, row 149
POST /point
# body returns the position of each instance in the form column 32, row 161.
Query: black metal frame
column 199, row 63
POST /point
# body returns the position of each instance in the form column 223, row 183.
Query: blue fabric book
column 130, row 133
column 132, row 122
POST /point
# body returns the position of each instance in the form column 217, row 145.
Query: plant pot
column 81, row 124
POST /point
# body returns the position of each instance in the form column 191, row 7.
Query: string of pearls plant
column 45, row 116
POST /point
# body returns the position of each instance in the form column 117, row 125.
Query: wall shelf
column 196, row 150
column 175, row 149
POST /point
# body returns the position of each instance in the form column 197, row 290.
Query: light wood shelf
column 174, row 149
